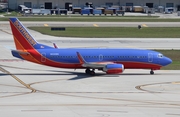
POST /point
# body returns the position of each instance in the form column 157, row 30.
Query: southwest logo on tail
column 111, row 61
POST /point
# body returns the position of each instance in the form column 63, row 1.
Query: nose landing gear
column 151, row 72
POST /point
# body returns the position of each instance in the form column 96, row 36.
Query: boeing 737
column 111, row 61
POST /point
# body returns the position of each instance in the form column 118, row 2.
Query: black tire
column 92, row 73
column 151, row 72
column 87, row 71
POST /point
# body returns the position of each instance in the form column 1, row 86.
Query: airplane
column 109, row 60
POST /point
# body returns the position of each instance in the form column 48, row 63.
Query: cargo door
column 150, row 57
column 100, row 57
column 43, row 57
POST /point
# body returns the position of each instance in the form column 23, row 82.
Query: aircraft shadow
column 79, row 75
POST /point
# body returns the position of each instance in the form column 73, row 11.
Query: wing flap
column 96, row 64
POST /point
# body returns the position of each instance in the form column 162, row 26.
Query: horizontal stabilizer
column 20, row 52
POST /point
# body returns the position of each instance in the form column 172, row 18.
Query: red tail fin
column 22, row 38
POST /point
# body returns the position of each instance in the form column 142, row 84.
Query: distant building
column 51, row 4
column 3, row 1
column 3, row 4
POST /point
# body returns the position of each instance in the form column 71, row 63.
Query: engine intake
column 113, row 68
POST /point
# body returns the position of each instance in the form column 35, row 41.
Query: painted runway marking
column 175, row 83
column 5, row 31
column 17, row 79
column 144, row 25
column 95, row 25
column 46, row 25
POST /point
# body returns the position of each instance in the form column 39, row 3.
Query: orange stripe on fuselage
column 18, row 44
column 30, row 58
column 22, row 44
column 26, row 57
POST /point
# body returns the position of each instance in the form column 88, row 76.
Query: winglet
column 81, row 59
column 55, row 46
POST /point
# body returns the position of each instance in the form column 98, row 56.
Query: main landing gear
column 151, row 72
column 90, row 72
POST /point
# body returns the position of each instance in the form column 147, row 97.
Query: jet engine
column 113, row 68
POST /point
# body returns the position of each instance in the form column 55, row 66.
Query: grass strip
column 175, row 56
column 113, row 32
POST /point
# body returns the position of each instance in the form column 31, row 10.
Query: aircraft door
column 150, row 57
column 100, row 57
column 43, row 57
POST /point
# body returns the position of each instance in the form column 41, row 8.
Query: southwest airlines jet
column 111, row 61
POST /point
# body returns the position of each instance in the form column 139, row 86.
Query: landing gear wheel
column 90, row 72
column 87, row 71
column 151, row 72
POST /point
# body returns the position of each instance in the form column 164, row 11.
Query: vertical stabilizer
column 22, row 38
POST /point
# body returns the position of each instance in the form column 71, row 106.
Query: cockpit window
column 160, row 56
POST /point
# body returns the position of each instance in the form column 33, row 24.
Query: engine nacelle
column 113, row 68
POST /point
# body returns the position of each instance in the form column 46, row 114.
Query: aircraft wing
column 55, row 46
column 95, row 65
column 108, row 67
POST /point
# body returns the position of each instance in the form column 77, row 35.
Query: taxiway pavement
column 28, row 89
column 68, row 42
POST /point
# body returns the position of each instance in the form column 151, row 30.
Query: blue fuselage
column 130, row 58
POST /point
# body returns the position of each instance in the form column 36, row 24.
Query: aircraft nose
column 168, row 61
